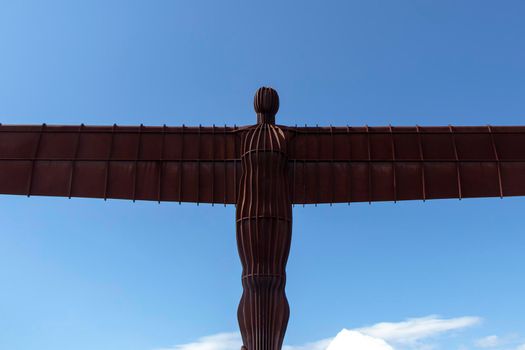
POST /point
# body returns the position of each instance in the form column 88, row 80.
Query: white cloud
column 381, row 336
column 495, row 341
column 347, row 340
column 344, row 340
column 415, row 329
column 488, row 342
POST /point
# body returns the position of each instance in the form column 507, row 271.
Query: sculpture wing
column 184, row 164
column 366, row 164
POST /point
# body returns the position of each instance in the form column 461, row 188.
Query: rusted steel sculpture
column 263, row 169
column 264, row 227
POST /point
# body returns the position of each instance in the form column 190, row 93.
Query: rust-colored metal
column 264, row 228
column 263, row 169
column 120, row 162
column 407, row 163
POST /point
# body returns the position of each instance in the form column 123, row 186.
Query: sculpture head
column 266, row 105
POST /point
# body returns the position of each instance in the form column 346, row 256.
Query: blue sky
column 89, row 274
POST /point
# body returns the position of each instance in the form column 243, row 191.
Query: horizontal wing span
column 184, row 164
column 365, row 164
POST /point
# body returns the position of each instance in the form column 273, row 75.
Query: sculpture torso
column 264, row 227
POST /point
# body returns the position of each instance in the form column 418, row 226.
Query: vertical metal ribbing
column 263, row 236
column 235, row 194
column 257, row 251
column 199, row 166
column 244, row 250
column 135, row 165
column 307, row 151
column 421, row 158
column 247, row 193
column 294, row 166
column 332, row 164
column 35, row 156
column 273, row 207
column 496, row 156
column 394, row 182
column 281, row 199
column 181, row 157
column 213, row 166
column 161, row 164
column 266, row 207
column 108, row 159
column 369, row 152
column 73, row 162
column 257, row 194
column 224, row 167
column 318, row 166
column 458, row 172
column 349, row 164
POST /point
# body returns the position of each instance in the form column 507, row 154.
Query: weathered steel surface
column 186, row 164
column 264, row 229
column 264, row 169
column 202, row 164
column 367, row 164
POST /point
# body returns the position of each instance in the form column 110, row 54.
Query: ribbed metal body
column 264, row 229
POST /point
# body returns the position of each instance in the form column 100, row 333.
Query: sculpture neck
column 263, row 118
